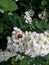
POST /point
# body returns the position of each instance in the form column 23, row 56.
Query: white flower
column 15, row 28
column 9, row 39
column 18, row 57
column 43, row 15
column 10, row 13
column 27, row 13
column 27, row 52
column 27, row 17
column 43, row 52
column 31, row 12
column 16, row 0
column 2, row 11
column 14, row 32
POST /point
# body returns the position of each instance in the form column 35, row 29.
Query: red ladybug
column 19, row 35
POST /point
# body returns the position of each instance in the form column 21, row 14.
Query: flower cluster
column 5, row 55
column 28, row 15
column 43, row 15
column 31, row 43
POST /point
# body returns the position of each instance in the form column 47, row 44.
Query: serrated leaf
column 47, row 27
column 12, row 6
column 39, row 25
column 8, row 5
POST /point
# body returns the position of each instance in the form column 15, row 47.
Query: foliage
column 8, row 5
column 25, row 61
column 40, row 26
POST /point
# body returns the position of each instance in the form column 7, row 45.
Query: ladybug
column 19, row 35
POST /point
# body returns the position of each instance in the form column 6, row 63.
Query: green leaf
column 12, row 6
column 40, row 26
column 8, row 5
column 25, row 61
column 44, row 2
column 47, row 27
